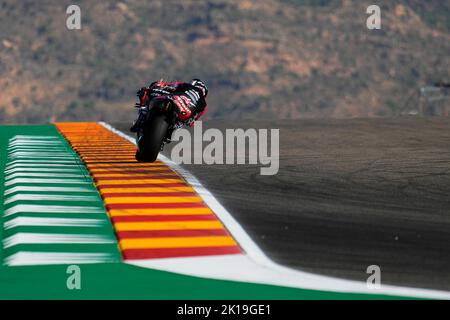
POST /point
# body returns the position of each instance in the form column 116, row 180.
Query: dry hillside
column 261, row 58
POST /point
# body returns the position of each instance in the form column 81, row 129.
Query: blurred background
column 262, row 59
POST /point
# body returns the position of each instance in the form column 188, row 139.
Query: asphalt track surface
column 349, row 194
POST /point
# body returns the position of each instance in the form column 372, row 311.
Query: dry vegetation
column 261, row 58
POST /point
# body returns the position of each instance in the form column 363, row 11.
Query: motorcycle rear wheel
column 152, row 138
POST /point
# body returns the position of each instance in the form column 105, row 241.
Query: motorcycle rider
column 189, row 97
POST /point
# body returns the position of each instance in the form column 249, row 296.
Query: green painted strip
column 22, row 232
column 123, row 281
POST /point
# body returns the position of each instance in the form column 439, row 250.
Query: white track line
column 46, row 181
column 49, row 197
column 33, row 137
column 17, row 170
column 52, row 238
column 255, row 266
column 43, row 175
column 43, row 162
column 52, row 222
column 19, row 189
column 24, row 258
column 28, row 208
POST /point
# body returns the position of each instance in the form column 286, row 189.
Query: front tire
column 152, row 138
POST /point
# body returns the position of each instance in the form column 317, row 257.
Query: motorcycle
column 161, row 118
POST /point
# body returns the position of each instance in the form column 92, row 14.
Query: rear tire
column 154, row 132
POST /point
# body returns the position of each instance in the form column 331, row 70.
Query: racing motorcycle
column 160, row 119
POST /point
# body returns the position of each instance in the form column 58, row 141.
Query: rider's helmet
column 200, row 85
